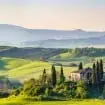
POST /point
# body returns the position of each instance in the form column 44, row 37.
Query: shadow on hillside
column 2, row 65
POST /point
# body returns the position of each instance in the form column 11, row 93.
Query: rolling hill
column 46, row 54
column 23, row 69
column 29, row 52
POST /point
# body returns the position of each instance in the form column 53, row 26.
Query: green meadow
column 21, row 101
column 24, row 69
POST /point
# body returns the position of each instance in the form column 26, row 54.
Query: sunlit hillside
column 22, row 69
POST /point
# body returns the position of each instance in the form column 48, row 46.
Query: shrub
column 47, row 92
column 16, row 92
column 4, row 94
column 81, row 91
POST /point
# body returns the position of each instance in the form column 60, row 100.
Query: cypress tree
column 44, row 76
column 101, row 69
column 80, row 66
column 44, row 71
column 62, row 78
column 94, row 74
column 53, row 75
column 97, row 73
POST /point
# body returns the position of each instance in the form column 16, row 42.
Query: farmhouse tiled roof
column 82, row 71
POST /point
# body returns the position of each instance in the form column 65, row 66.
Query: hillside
column 21, row 69
column 50, row 53
column 13, row 67
column 80, row 53
column 30, row 53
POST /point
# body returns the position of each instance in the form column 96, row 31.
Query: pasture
column 24, row 69
column 21, row 101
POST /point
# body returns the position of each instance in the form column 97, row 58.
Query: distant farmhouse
column 85, row 74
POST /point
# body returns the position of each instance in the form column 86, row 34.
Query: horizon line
column 52, row 29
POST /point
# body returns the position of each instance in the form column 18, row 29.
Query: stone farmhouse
column 85, row 74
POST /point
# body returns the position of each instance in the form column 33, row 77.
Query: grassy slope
column 21, row 101
column 69, row 57
column 24, row 69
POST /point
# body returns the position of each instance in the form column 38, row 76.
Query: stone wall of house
column 81, row 75
column 74, row 77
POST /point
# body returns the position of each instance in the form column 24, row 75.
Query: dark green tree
column 80, row 66
column 44, row 71
column 94, row 74
column 97, row 73
column 53, row 75
column 103, row 92
column 44, row 76
column 62, row 77
column 101, row 69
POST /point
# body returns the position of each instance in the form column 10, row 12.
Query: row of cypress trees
column 97, row 72
column 53, row 76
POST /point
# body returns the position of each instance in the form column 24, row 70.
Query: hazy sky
column 54, row 14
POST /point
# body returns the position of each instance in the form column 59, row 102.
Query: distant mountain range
column 22, row 37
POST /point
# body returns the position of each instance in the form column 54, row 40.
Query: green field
column 20, row 101
column 23, row 69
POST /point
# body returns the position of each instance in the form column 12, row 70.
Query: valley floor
column 13, row 101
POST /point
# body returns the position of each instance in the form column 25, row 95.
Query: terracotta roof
column 81, row 71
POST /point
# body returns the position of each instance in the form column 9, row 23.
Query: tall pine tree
column 101, row 69
column 44, row 76
column 94, row 74
column 53, row 75
column 62, row 78
column 97, row 73
column 80, row 66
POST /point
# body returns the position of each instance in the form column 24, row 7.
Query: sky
column 54, row 14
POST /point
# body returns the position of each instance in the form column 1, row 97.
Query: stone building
column 85, row 74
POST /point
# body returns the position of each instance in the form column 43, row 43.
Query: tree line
column 97, row 72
